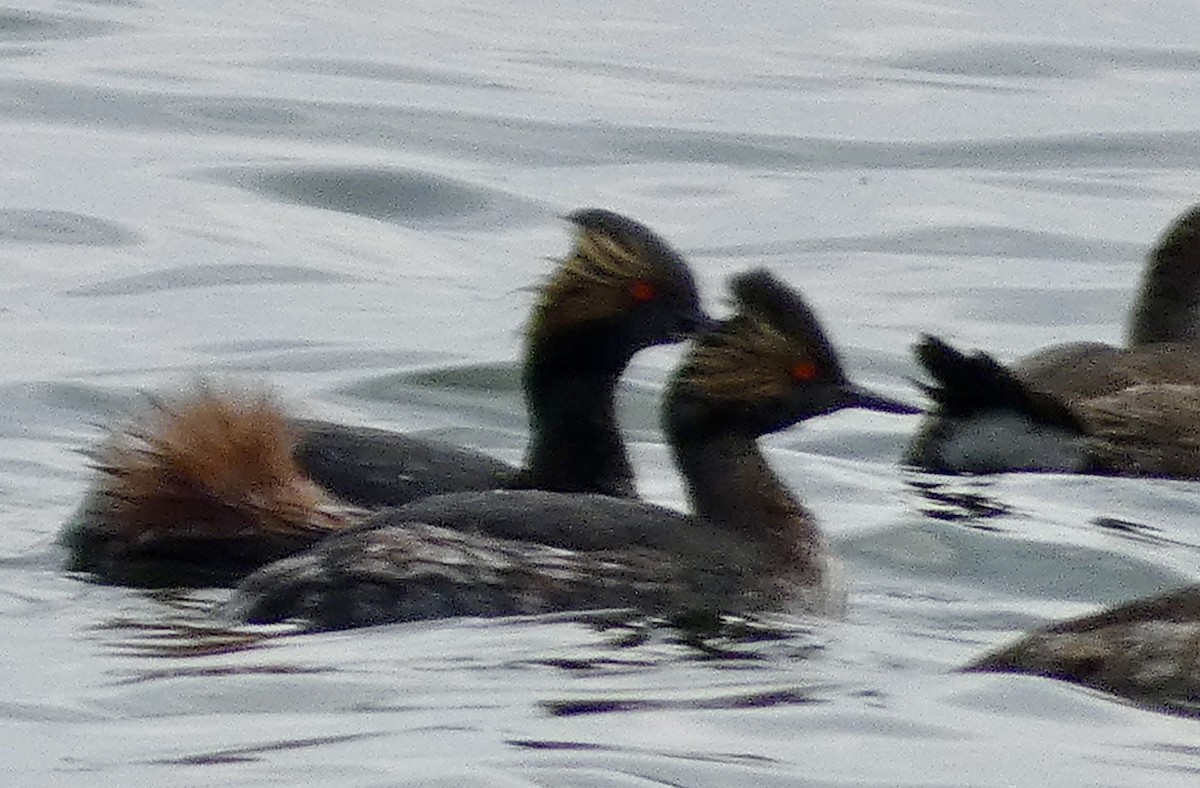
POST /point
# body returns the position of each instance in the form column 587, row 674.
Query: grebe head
column 1167, row 308
column 765, row 368
column 623, row 277
column 986, row 419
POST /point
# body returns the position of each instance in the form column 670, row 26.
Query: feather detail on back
column 1148, row 430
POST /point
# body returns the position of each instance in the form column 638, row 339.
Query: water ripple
column 401, row 196
column 511, row 141
column 1044, row 60
column 381, row 71
column 188, row 277
column 950, row 240
column 21, row 25
column 62, row 227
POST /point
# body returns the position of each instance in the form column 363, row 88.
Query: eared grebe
column 621, row 290
column 750, row 544
column 1147, row 651
column 1084, row 407
column 184, row 497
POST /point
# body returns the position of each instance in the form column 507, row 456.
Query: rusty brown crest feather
column 210, row 465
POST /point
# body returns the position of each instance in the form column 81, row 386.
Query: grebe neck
column 570, row 382
column 731, row 485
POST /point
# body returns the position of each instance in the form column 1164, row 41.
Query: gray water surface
column 349, row 202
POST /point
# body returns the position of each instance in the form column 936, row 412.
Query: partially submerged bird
column 1147, row 651
column 185, row 496
column 199, row 491
column 1084, row 407
column 621, row 290
column 749, row 545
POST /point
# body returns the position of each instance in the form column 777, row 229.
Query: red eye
column 643, row 291
column 804, row 371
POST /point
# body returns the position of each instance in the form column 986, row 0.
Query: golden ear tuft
column 747, row 359
column 608, row 255
column 601, row 278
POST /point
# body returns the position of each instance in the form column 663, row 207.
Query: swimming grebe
column 1084, row 407
column 621, row 290
column 184, row 496
column 750, row 544
column 1147, row 650
column 200, row 491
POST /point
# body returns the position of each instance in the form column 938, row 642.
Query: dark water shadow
column 955, row 84
column 500, row 377
column 473, row 394
column 791, row 696
column 380, row 71
column 405, row 197
column 1036, row 60
column 186, row 624
column 512, row 142
column 966, row 536
column 252, row 753
column 699, row 635
column 1110, row 185
column 959, row 500
column 724, row 758
column 18, row 25
column 491, row 393
column 204, row 276
column 965, row 501
column 62, row 227
column 949, row 240
column 635, row 642
column 1138, row 532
